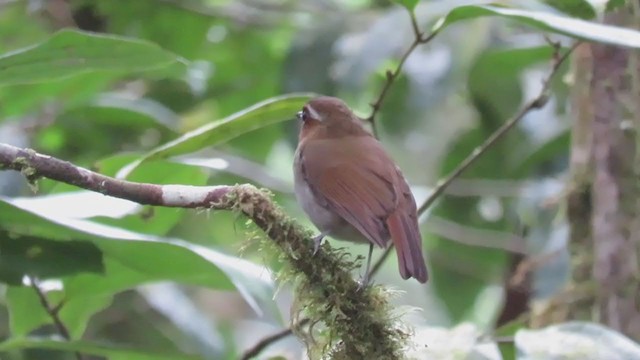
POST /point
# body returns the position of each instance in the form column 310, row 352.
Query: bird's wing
column 355, row 178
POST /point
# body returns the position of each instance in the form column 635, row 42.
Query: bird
column 351, row 189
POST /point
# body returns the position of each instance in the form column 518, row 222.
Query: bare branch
column 391, row 76
column 268, row 340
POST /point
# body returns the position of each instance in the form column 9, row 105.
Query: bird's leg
column 317, row 241
column 365, row 280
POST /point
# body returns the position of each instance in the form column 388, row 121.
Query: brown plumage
column 351, row 189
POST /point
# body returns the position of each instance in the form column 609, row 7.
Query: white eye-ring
column 308, row 113
column 314, row 114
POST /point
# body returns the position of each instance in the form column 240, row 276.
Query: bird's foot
column 363, row 282
column 317, row 241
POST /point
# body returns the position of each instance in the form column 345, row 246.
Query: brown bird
column 351, row 189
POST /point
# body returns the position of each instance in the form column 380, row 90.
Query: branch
column 360, row 319
column 53, row 313
column 534, row 104
column 268, row 340
column 419, row 39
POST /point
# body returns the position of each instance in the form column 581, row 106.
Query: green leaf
column 409, row 4
column 494, row 77
column 578, row 8
column 124, row 18
column 112, row 351
column 71, row 52
column 144, row 258
column 267, row 112
column 117, row 111
column 507, row 348
column 25, row 310
column 576, row 28
column 45, row 259
column 23, row 98
column 547, row 151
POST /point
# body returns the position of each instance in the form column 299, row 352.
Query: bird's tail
column 408, row 242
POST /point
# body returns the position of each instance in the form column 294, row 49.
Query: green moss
column 346, row 322
column 29, row 172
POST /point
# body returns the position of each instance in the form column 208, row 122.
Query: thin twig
column 391, row 76
column 537, row 103
column 53, row 312
column 262, row 344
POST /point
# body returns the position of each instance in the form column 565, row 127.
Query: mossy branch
column 359, row 320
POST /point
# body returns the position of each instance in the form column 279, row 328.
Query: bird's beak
column 299, row 115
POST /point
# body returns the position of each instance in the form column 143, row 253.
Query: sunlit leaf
column 71, row 52
column 577, row 28
column 265, row 113
column 575, row 340
column 112, row 351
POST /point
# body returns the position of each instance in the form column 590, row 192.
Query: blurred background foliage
column 174, row 282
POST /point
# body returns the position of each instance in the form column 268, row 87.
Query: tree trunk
column 604, row 198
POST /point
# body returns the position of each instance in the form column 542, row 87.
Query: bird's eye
column 303, row 114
